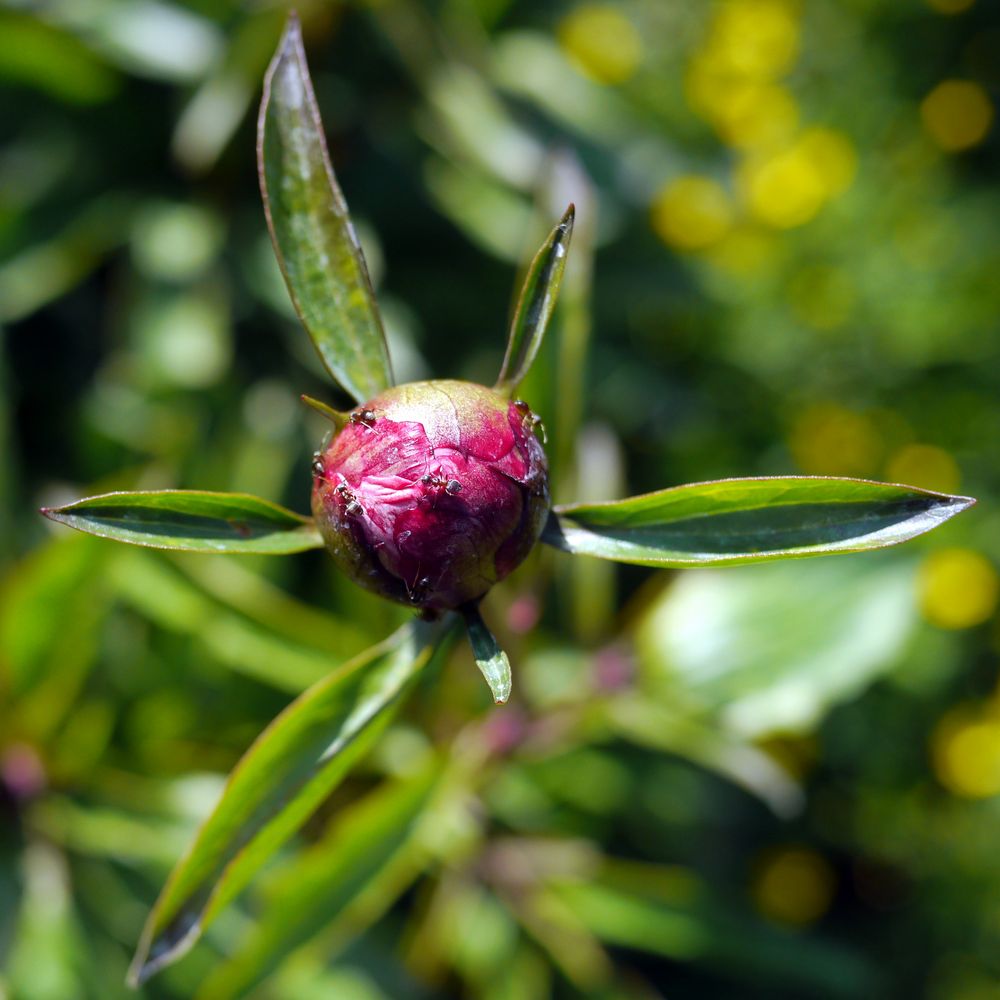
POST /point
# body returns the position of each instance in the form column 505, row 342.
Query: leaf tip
column 496, row 671
column 289, row 46
column 57, row 514
column 492, row 661
column 155, row 954
column 136, row 976
column 951, row 505
column 293, row 27
column 501, row 694
column 338, row 419
column 140, row 969
column 564, row 230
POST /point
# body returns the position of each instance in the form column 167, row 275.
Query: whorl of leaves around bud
column 432, row 492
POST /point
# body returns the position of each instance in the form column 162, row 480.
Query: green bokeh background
column 766, row 781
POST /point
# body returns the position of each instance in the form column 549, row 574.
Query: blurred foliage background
column 771, row 781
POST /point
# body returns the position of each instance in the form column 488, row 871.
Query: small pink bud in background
column 22, row 771
column 432, row 492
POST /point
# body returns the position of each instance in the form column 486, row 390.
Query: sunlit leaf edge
column 291, row 532
column 331, row 875
column 568, row 531
column 152, row 954
column 492, row 661
column 380, row 378
column 535, row 304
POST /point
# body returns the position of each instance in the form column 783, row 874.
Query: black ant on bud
column 529, row 419
column 364, row 417
column 451, row 486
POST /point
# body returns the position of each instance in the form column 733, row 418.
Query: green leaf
column 165, row 595
column 193, row 520
column 52, row 60
column 768, row 650
column 326, row 881
column 291, row 767
column 101, row 831
column 670, row 912
column 39, row 597
column 731, row 521
column 535, row 306
column 312, row 232
column 490, row 658
column 649, row 719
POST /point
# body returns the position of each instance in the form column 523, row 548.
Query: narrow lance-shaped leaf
column 283, row 777
column 194, row 520
column 326, row 882
column 535, row 305
column 312, row 232
column 732, row 521
column 490, row 658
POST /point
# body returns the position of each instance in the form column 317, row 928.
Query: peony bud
column 432, row 492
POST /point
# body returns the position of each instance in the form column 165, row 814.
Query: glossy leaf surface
column 291, row 767
column 731, row 521
column 194, row 520
column 490, row 658
column 313, row 235
column 535, row 305
column 326, row 881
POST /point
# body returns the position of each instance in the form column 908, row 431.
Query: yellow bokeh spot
column 950, row 6
column 926, row 466
column 730, row 80
column 821, row 296
column 755, row 114
column 794, row 886
column 829, row 440
column 755, row 38
column 602, row 42
column 788, row 187
column 957, row 114
column 783, row 190
column 959, row 588
column 965, row 751
column 691, row 213
column 833, row 156
column 709, row 83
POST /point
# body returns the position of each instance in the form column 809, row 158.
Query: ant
column 364, row 417
column 529, row 419
column 451, row 486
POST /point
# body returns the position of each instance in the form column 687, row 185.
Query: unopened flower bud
column 432, row 492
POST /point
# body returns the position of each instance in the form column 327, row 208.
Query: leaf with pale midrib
column 314, row 239
column 191, row 520
column 535, row 305
column 290, row 769
column 734, row 521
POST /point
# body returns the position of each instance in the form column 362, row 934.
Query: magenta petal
column 434, row 492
